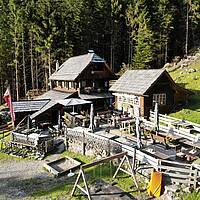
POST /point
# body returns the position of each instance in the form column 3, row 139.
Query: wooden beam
column 103, row 160
column 86, row 190
column 76, row 183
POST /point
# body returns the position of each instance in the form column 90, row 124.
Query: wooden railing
column 179, row 172
column 5, row 129
column 176, row 172
column 168, row 125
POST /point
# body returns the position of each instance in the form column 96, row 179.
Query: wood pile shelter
column 142, row 88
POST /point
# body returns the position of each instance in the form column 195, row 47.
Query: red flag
column 8, row 100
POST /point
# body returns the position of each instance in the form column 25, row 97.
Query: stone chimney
column 57, row 65
column 90, row 51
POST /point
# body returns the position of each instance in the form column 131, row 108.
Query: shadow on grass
column 14, row 187
column 106, row 191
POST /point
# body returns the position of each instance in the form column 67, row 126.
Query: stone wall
column 90, row 144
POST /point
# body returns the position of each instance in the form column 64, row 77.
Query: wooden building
column 89, row 75
column 140, row 89
column 85, row 77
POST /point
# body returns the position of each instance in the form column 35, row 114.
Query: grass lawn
column 4, row 156
column 191, row 81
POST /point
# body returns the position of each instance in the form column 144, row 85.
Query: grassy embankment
column 191, row 81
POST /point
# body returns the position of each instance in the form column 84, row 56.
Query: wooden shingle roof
column 136, row 81
column 29, row 105
column 71, row 68
column 52, row 96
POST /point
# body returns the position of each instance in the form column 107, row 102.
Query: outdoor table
column 171, row 136
column 160, row 152
column 191, row 154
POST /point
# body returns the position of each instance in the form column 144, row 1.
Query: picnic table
column 159, row 151
column 191, row 154
column 170, row 136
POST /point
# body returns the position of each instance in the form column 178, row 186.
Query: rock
column 166, row 196
column 192, row 70
column 21, row 194
column 195, row 77
column 184, row 65
column 167, row 65
column 186, row 189
column 171, row 188
column 176, row 59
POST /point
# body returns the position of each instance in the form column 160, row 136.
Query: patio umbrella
column 91, row 126
column 73, row 102
column 156, row 117
column 137, row 129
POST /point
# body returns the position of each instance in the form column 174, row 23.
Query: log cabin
column 140, row 89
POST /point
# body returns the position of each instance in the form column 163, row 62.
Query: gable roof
column 136, row 81
column 72, row 67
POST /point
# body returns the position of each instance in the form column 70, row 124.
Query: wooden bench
column 159, row 139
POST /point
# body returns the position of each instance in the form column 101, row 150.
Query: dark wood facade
column 161, row 89
column 91, row 82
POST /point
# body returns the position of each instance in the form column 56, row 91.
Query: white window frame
column 160, row 98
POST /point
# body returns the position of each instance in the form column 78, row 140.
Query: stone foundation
column 90, row 144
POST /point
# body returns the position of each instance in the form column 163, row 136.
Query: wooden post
column 131, row 172
column 86, row 190
column 77, row 180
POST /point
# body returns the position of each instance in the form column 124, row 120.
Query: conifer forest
column 35, row 34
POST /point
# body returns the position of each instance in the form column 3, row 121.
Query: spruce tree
column 138, row 20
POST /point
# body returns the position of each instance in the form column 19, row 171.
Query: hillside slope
column 189, row 77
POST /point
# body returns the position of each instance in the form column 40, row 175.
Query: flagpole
column 8, row 99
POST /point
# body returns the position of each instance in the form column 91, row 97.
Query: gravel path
column 20, row 178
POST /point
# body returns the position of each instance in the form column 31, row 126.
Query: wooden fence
column 167, row 125
column 171, row 120
column 5, row 129
column 174, row 171
column 179, row 173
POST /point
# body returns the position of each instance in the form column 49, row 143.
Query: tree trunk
column 1, row 91
column 50, row 68
column 36, row 73
column 24, row 67
column 46, row 74
column 166, row 51
column 187, row 30
column 32, row 70
column 16, row 67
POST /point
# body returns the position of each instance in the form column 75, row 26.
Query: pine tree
column 144, row 44
column 137, row 17
column 16, row 29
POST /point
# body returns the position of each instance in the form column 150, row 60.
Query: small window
column 136, row 100
column 160, row 98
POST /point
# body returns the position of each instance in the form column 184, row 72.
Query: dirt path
column 20, row 178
